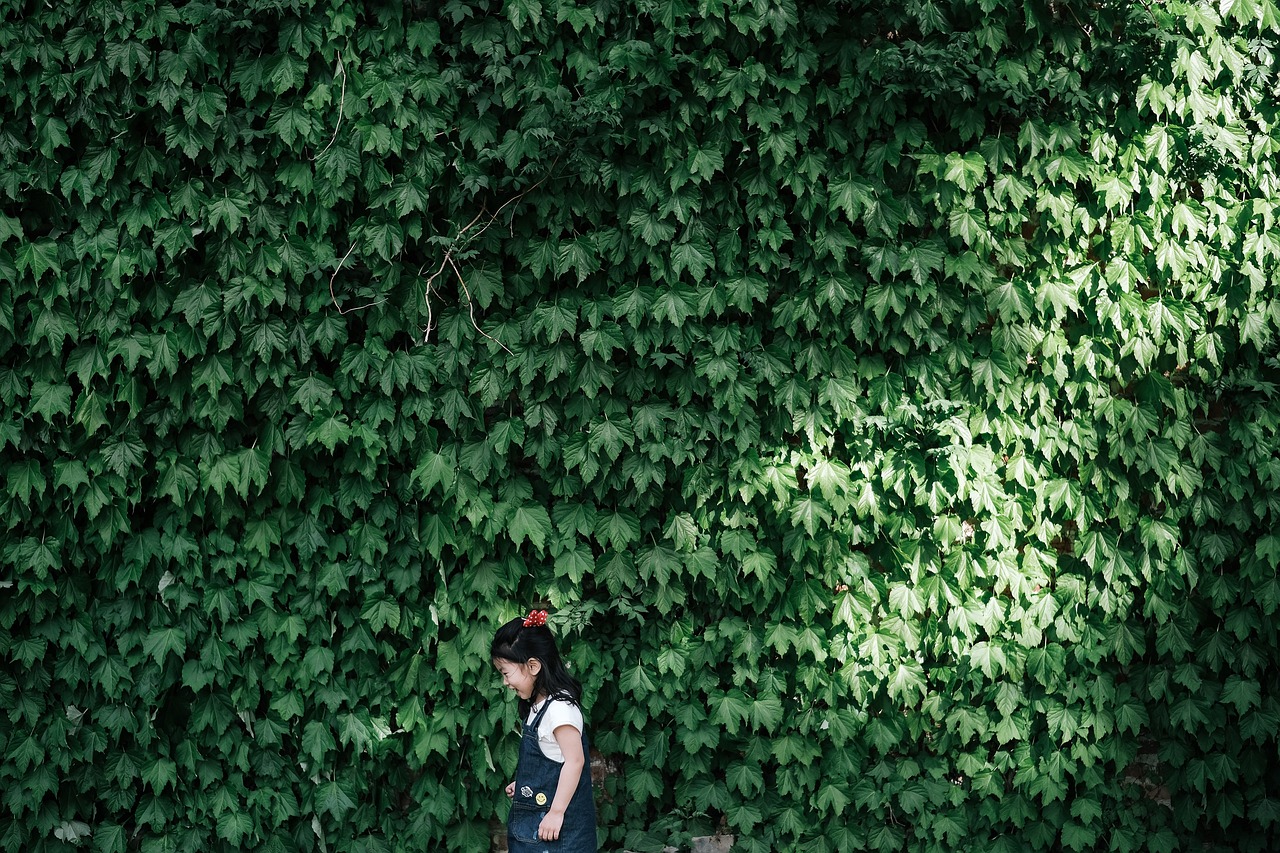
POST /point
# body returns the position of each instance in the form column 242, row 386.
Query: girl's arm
column 570, row 740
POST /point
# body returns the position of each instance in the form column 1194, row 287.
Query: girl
column 551, row 805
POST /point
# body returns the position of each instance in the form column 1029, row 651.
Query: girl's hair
column 519, row 644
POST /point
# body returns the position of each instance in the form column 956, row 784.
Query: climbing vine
column 881, row 395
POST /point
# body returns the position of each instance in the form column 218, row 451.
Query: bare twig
column 436, row 274
column 334, row 298
column 448, row 261
column 342, row 102
column 426, row 335
column 471, row 309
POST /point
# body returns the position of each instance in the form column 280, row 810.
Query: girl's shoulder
column 562, row 710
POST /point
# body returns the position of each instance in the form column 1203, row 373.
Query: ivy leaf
column 617, row 528
column 671, row 660
column 318, row 741
column 381, row 613
column 25, row 753
column 609, row 435
column 234, row 826
column 989, row 658
column 811, row 514
column 160, row 773
column 37, row 257
column 531, row 522
column 52, row 135
column 437, row 468
column 906, row 683
column 161, row 642
column 318, row 661
column 228, row 211
column 1241, row 692
column 10, row 226
column 1265, row 811
column 329, row 431
column 693, row 256
column 683, row 531
column 744, row 778
column 767, row 713
column 965, row 222
column 574, row 563
column 25, row 479
column 674, row 304
column 637, row 682
column 966, row 171
column 730, row 710
column 109, row 838
column 658, row 564
column 123, row 452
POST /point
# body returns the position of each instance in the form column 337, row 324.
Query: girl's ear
column 534, row 665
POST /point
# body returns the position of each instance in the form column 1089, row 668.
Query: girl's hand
column 549, row 829
column 511, row 790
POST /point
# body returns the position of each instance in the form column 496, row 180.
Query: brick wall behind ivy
column 883, row 396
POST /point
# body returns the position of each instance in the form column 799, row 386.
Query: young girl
column 551, row 804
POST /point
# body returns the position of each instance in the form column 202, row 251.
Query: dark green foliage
column 882, row 394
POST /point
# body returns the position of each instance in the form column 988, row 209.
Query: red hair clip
column 535, row 618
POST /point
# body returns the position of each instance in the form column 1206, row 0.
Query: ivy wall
column 883, row 396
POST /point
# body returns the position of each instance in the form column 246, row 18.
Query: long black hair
column 517, row 643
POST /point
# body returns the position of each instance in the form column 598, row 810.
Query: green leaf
column 318, row 661
column 52, row 134
column 694, row 257
column 37, row 257
column 832, row 799
column 658, row 564
column 161, row 642
column 228, row 211
column 965, row 222
column 330, row 431
column 730, row 710
column 381, row 613
column 1265, row 811
column 671, row 660
column 811, row 514
column 1242, row 693
column 10, row 226
column 531, row 522
column 989, row 658
column 123, row 452
column 635, row 680
column 617, row 529
column 437, row 468
column 25, row 479
column 745, row 778
column 966, row 171
column 109, row 838
column 682, row 530
column 906, row 684
column 767, row 713
column 160, row 773
column 234, row 826
column 25, row 753
column 318, row 741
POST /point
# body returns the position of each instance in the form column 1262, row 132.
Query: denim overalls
column 536, row 779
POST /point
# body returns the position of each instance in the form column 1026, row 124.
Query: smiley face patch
column 541, row 799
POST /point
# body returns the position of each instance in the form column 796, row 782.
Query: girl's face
column 520, row 677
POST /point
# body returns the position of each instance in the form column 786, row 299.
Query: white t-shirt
column 561, row 713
